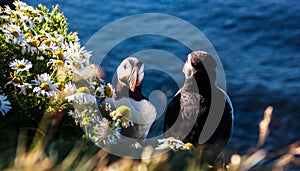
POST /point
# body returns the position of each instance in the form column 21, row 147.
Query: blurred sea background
column 258, row 43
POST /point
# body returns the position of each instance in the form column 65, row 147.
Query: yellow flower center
column 60, row 86
column 190, row 145
column 95, row 84
column 14, row 32
column 166, row 147
column 17, row 80
column 210, row 166
column 27, row 35
column 47, row 42
column 125, row 111
column 55, row 42
column 60, row 54
column 108, row 91
column 45, row 86
column 59, row 62
column 41, row 36
column 77, row 65
column 171, row 138
column 83, row 90
column 21, row 66
column 33, row 43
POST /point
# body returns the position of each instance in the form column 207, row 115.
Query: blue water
column 258, row 43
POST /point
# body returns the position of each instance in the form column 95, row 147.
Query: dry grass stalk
column 290, row 157
column 33, row 159
column 252, row 160
column 37, row 158
column 264, row 125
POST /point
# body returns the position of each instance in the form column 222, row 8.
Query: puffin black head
column 130, row 73
column 199, row 61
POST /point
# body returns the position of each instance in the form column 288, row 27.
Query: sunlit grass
column 86, row 156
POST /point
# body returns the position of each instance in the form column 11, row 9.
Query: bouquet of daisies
column 46, row 73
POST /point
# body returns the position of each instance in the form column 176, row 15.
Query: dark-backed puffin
column 128, row 91
column 191, row 105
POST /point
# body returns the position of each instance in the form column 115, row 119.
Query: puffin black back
column 191, row 106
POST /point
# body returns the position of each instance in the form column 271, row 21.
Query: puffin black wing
column 223, row 131
column 172, row 112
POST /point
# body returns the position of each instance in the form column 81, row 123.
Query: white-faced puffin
column 188, row 110
column 130, row 74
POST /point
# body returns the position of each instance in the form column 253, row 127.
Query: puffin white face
column 187, row 67
column 140, row 75
column 130, row 72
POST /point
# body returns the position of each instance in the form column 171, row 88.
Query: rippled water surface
column 258, row 43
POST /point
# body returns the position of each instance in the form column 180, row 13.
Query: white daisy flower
column 108, row 107
column 12, row 30
column 99, row 92
column 32, row 45
column 103, row 91
column 122, row 115
column 27, row 23
column 18, row 83
column 48, row 45
column 173, row 144
column 105, row 134
column 20, row 4
column 90, row 72
column 77, row 59
column 6, row 17
column 82, row 97
column 74, row 50
column 77, row 64
column 47, row 35
column 40, row 18
column 55, row 63
column 109, row 91
column 7, row 10
column 4, row 105
column 13, row 34
column 45, row 86
column 20, row 65
column 70, row 89
column 58, row 37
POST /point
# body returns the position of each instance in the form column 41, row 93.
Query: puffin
column 128, row 92
column 188, row 111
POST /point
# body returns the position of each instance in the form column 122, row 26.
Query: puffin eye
column 123, row 70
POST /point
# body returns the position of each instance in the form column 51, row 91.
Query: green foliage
column 47, row 77
column 37, row 38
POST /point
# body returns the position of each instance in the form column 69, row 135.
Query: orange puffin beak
column 133, row 79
